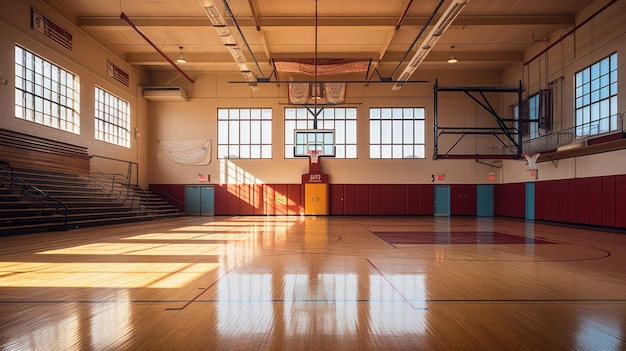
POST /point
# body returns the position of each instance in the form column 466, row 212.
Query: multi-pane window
column 46, row 93
column 533, row 115
column 342, row 120
column 244, row 133
column 596, row 98
column 112, row 119
column 397, row 132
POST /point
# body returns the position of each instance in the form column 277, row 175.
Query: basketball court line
column 205, row 289
column 454, row 238
column 404, row 298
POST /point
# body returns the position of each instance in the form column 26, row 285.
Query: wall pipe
column 125, row 18
column 572, row 31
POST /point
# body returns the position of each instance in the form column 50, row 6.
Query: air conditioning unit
column 164, row 94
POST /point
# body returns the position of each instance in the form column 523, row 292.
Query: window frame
column 111, row 118
column 595, row 97
column 343, row 120
column 256, row 136
column 46, row 93
column 397, row 145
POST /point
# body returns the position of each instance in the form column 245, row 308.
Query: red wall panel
column 234, row 206
column 427, row 199
column 400, row 199
column 294, row 199
column 375, row 195
column 463, row 199
column 510, row 200
column 413, row 199
column 387, row 199
column 471, row 191
column 363, row 202
column 268, row 203
column 572, row 206
column 257, row 199
column 221, row 199
column 555, row 208
column 349, row 199
column 336, row 199
column 174, row 194
column 246, row 199
column 583, row 200
column 456, row 199
column 540, row 200
column 595, row 201
column 281, row 199
column 564, row 200
column 620, row 201
column 608, row 201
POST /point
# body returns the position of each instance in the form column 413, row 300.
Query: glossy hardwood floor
column 315, row 283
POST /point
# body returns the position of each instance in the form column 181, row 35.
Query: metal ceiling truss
column 508, row 135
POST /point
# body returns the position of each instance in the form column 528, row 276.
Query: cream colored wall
column 196, row 120
column 600, row 37
column 88, row 60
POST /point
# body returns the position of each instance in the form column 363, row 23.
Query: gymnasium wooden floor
column 315, row 283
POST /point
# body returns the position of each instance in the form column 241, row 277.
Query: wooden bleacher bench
column 27, row 151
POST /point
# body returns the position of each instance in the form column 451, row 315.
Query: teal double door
column 199, row 200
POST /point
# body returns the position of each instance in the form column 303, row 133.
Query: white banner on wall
column 186, row 152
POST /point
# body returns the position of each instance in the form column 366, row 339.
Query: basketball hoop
column 314, row 154
column 531, row 158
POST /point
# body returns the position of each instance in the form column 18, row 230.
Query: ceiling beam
column 339, row 21
column 212, row 58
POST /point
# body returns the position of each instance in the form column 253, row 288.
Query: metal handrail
column 115, row 180
column 130, row 164
column 578, row 134
column 26, row 188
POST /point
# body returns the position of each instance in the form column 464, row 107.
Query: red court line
column 206, row 289
column 393, row 286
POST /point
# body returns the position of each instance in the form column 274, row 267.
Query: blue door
column 199, row 200
column 207, row 200
column 484, row 200
column 530, row 201
column 442, row 200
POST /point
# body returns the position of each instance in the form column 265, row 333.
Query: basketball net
column 531, row 158
column 314, row 154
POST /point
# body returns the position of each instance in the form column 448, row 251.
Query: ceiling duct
column 451, row 13
column 215, row 15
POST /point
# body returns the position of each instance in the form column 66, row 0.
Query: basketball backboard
column 322, row 140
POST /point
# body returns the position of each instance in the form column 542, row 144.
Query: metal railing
column 28, row 190
column 116, row 175
column 575, row 136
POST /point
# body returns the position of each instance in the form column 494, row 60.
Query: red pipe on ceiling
column 125, row 18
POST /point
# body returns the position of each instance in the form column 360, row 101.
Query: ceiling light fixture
column 223, row 30
column 181, row 58
column 452, row 59
column 451, row 13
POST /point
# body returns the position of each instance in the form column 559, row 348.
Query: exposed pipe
column 570, row 32
column 125, row 18
column 230, row 13
column 432, row 15
column 403, row 16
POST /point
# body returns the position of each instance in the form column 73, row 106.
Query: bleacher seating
column 47, row 185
